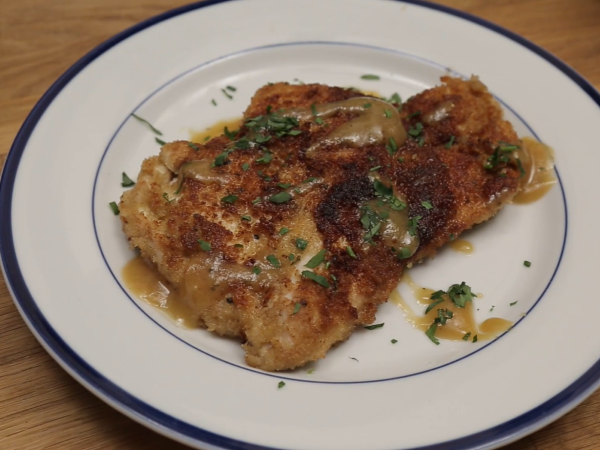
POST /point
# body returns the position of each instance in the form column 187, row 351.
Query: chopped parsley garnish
column 313, row 110
column 226, row 94
column 204, row 245
column 166, row 197
column 521, row 168
column 431, row 333
column 247, row 218
column 367, row 105
column 231, row 88
column 450, row 142
column 230, row 134
column 115, row 208
column 256, row 200
column 126, row 181
column 492, row 308
column 256, row 270
column 526, row 263
column 297, row 307
column 291, row 257
column 514, row 303
column 460, row 294
column 194, row 146
column 238, row 245
column 427, row 204
column 351, row 252
column 404, row 253
column 309, row 180
column 315, row 260
column 501, row 155
column 370, row 77
column 284, row 231
column 280, row 385
column 154, row 130
column 393, row 341
column 391, row 146
column 319, row 121
column 245, row 167
column 474, row 339
column 213, row 102
column 434, row 303
column 466, row 336
column 387, row 113
column 416, row 130
column 412, row 225
column 374, row 327
column 282, row 197
column 274, row 261
column 394, row 98
column 160, row 141
column 207, row 138
column 375, row 169
column 301, row 244
column 415, row 114
column 229, row 199
column 310, row 371
column 266, row 158
column 351, row 357
column 316, row 278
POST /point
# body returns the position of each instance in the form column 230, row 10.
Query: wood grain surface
column 41, row 407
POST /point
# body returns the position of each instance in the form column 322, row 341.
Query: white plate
column 63, row 250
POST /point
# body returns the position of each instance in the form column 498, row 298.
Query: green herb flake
column 309, row 180
column 282, row 197
column 370, row 77
column 393, row 341
column 204, row 245
column 460, row 294
column 229, row 199
column 256, row 200
column 226, row 94
column 274, row 261
column 526, row 263
column 126, row 181
column 230, row 134
column 194, row 146
column 316, row 278
column 280, row 384
column 144, row 121
column 466, row 336
column 427, row 204
column 375, row 169
column 431, row 333
column 310, row 371
column 474, row 339
column 416, row 130
column 301, row 244
column 265, row 159
column 450, row 143
column 297, row 307
column 374, row 327
column 231, row 88
column 319, row 121
column 404, row 253
column 247, row 218
column 434, row 304
column 313, row 109
column 387, row 113
column 284, row 231
column 256, row 270
column 412, row 225
column 284, row 185
column 160, row 141
column 238, row 245
column 315, row 260
column 245, row 167
column 213, row 102
column 291, row 257
column 166, row 197
column 115, row 208
column 391, row 146
column 351, row 252
column 367, row 105
column 207, row 138
column 514, row 303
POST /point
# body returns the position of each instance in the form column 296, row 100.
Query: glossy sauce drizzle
column 461, row 246
column 462, row 322
column 148, row 285
column 538, row 162
column 375, row 122
column 215, row 130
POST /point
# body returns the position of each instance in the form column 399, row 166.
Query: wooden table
column 43, row 407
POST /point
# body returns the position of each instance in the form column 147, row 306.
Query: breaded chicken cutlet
column 289, row 234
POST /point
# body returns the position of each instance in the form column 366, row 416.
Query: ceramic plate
column 63, row 249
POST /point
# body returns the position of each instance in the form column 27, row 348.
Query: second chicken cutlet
column 289, row 233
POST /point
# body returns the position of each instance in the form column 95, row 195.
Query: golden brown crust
column 262, row 309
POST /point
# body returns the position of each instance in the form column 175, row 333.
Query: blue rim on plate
column 290, row 44
column 148, row 415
